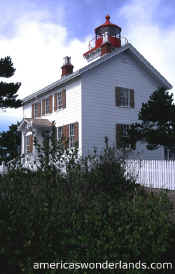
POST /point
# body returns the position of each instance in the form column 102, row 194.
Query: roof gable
column 132, row 51
column 128, row 47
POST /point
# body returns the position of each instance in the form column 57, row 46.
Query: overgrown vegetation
column 157, row 122
column 10, row 142
column 91, row 213
column 8, row 91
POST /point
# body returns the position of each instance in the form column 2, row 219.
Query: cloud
column 37, row 41
column 152, row 39
column 37, row 50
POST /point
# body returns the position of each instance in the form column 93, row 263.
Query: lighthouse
column 107, row 38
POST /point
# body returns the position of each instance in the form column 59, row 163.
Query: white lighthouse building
column 101, row 99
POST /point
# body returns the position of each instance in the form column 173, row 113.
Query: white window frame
column 124, row 129
column 59, row 100
column 169, row 154
column 71, row 135
column 47, row 105
column 36, row 107
column 59, row 133
column 125, row 97
column 27, row 143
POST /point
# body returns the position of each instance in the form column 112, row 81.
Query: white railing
column 153, row 173
column 91, row 44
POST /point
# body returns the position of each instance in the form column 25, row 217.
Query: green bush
column 91, row 213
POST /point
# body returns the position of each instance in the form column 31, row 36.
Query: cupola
column 107, row 38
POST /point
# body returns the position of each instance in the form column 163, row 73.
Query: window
column 124, row 97
column 169, row 154
column 59, row 100
column 28, row 143
column 124, row 129
column 47, row 106
column 121, row 132
column 36, row 110
column 71, row 135
column 59, row 133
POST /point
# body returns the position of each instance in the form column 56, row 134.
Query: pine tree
column 10, row 142
column 157, row 122
column 8, row 96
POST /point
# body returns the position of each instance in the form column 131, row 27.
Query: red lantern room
column 107, row 38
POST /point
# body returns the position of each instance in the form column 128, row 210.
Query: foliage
column 90, row 213
column 10, row 142
column 8, row 96
column 157, row 126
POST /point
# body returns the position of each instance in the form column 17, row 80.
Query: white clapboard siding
column 153, row 173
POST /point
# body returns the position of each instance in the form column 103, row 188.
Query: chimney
column 67, row 67
column 106, row 46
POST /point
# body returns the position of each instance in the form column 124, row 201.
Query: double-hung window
column 47, row 106
column 28, row 143
column 59, row 133
column 169, row 154
column 124, row 97
column 59, row 100
column 71, row 135
column 121, row 134
column 36, row 110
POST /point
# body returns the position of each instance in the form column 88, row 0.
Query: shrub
column 91, row 213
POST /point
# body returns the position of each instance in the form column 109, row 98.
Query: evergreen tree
column 10, row 142
column 157, row 126
column 8, row 96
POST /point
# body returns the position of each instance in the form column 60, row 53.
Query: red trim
column 107, row 24
column 89, row 51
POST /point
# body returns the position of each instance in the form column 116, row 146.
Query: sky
column 37, row 34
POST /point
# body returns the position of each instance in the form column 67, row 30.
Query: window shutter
column 131, row 98
column 55, row 102
column 50, row 104
column 117, row 96
column 39, row 109
column 43, row 107
column 118, row 134
column 64, row 98
column 33, row 111
column 76, row 138
column 31, row 143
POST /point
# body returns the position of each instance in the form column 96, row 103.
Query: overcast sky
column 37, row 34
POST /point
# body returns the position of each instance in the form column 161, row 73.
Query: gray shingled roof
column 130, row 49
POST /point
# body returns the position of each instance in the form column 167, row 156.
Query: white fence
column 3, row 168
column 153, row 173
column 150, row 173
